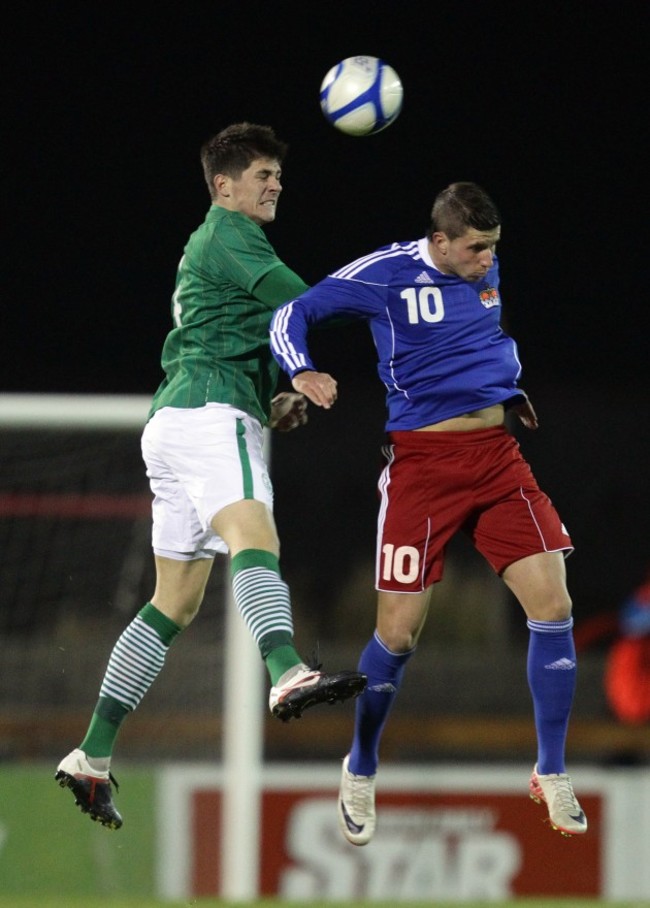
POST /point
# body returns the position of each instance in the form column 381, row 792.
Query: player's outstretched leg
column 91, row 789
column 302, row 687
column 556, row 791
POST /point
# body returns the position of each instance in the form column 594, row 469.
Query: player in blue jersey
column 451, row 373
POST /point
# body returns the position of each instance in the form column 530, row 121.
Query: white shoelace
column 362, row 790
column 563, row 793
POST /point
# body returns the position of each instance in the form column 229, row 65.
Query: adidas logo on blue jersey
column 423, row 278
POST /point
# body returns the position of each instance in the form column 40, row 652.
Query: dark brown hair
column 461, row 206
column 235, row 148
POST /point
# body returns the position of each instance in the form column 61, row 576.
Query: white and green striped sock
column 133, row 666
column 263, row 600
column 138, row 656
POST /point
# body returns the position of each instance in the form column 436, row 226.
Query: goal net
column 76, row 566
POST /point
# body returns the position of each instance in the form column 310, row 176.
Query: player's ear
column 440, row 241
column 221, row 183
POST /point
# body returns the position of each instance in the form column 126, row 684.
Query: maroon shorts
column 437, row 483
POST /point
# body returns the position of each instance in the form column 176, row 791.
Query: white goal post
column 243, row 687
column 73, row 411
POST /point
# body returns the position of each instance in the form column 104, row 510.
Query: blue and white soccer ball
column 361, row 95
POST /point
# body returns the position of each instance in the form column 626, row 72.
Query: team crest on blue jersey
column 489, row 297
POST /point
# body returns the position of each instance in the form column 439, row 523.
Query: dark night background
column 545, row 104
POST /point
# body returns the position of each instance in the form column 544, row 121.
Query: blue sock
column 384, row 670
column 552, row 682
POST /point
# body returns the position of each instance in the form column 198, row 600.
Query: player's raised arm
column 289, row 346
column 288, row 334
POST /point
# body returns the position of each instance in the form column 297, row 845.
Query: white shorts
column 199, row 461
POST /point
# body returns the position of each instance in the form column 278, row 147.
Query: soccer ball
column 361, row 95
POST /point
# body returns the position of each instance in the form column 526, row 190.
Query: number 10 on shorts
column 401, row 564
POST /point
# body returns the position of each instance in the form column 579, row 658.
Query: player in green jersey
column 202, row 447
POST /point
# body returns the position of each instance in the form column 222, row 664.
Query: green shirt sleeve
column 279, row 286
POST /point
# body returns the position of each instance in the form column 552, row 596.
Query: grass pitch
column 46, row 902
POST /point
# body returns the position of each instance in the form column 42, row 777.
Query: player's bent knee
column 555, row 609
column 398, row 641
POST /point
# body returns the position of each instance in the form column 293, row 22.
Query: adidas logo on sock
column 563, row 665
column 386, row 688
column 423, row 278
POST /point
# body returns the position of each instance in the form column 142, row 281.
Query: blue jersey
column 441, row 349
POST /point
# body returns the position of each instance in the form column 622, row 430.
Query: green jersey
column 218, row 349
